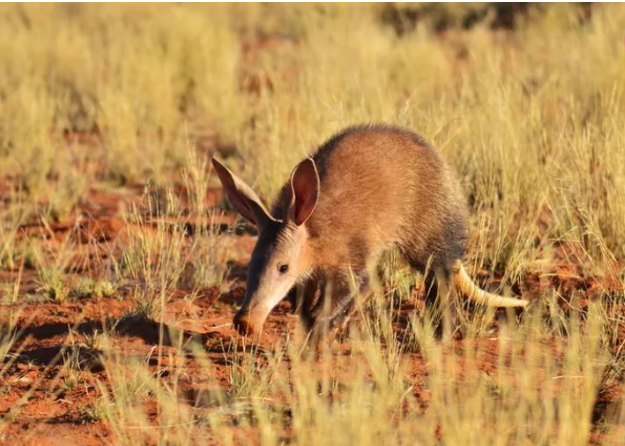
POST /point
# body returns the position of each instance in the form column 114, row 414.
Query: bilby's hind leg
column 430, row 286
column 439, row 298
column 446, row 301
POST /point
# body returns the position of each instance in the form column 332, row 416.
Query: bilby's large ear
column 304, row 191
column 242, row 197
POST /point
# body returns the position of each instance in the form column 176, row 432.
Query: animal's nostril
column 243, row 324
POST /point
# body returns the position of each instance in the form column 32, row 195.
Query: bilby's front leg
column 338, row 300
column 310, row 293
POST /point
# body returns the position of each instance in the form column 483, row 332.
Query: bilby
column 365, row 190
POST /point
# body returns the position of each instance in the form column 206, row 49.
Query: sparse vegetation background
column 121, row 264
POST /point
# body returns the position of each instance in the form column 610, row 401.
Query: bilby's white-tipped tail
column 465, row 285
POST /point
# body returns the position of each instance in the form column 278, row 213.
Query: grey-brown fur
column 383, row 186
column 403, row 186
column 371, row 188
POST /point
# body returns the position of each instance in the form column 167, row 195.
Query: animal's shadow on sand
column 150, row 331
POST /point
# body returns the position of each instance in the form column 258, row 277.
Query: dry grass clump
column 521, row 387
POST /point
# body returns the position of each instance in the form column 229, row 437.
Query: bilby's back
column 381, row 186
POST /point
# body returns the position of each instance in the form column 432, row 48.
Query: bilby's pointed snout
column 247, row 324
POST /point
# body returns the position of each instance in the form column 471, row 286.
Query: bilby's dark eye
column 283, row 268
